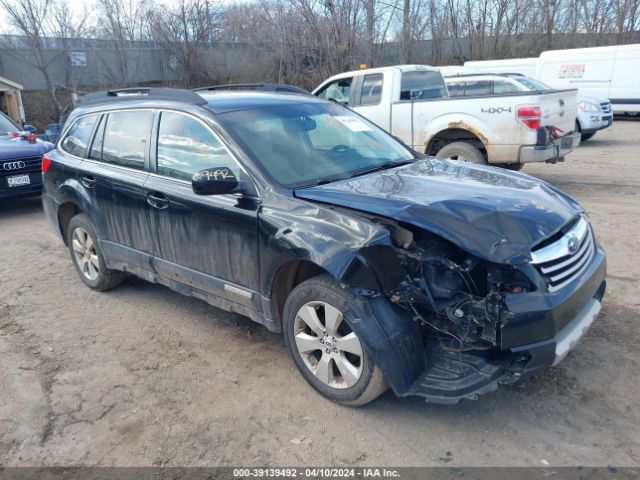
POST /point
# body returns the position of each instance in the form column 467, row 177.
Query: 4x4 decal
column 496, row 110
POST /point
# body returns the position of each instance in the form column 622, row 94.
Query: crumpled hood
column 492, row 213
column 17, row 148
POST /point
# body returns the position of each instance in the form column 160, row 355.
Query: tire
column 586, row 136
column 87, row 256
column 463, row 151
column 512, row 166
column 338, row 349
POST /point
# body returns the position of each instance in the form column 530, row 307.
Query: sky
column 78, row 5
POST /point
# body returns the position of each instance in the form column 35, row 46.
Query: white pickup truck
column 412, row 103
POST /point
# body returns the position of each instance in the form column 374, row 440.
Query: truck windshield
column 6, row 125
column 302, row 144
column 422, row 85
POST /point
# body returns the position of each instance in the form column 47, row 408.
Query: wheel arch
column 456, row 134
column 287, row 277
column 66, row 211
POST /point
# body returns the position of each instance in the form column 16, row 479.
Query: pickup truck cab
column 413, row 104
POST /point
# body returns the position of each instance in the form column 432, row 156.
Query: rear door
column 208, row 242
column 114, row 176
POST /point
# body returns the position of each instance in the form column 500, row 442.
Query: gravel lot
column 143, row 376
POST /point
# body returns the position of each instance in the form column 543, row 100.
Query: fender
column 427, row 128
column 72, row 191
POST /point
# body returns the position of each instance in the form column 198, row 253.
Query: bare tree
column 185, row 31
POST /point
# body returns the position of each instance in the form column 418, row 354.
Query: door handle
column 157, row 200
column 88, row 181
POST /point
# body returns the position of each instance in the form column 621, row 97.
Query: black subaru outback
column 381, row 267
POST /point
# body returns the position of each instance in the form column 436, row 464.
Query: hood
column 16, row 148
column 492, row 213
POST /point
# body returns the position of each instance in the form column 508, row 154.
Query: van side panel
column 625, row 81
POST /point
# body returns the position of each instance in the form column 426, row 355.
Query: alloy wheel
column 84, row 251
column 327, row 345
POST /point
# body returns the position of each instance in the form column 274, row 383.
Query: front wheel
column 512, row 166
column 326, row 351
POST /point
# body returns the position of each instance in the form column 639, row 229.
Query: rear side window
column 422, row 85
column 77, row 138
column 478, row 87
column 186, row 146
column 371, row 89
column 456, row 89
column 502, row 87
column 123, row 138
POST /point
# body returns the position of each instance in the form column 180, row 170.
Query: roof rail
column 142, row 93
column 484, row 74
column 261, row 87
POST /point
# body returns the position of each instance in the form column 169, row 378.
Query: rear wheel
column 462, row 151
column 87, row 256
column 323, row 346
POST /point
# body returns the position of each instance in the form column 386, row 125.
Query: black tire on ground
column 324, row 288
column 105, row 278
column 462, row 151
column 586, row 136
column 512, row 166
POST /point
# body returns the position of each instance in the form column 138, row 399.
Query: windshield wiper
column 381, row 166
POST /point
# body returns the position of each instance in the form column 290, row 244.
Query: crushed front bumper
column 551, row 152
column 541, row 330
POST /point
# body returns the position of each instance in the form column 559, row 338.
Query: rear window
column 124, row 138
column 422, row 85
column 77, row 138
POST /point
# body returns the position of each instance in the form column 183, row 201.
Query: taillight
column 46, row 163
column 530, row 116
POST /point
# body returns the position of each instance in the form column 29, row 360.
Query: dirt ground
column 143, row 376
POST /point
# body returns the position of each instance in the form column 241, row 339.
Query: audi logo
column 13, row 165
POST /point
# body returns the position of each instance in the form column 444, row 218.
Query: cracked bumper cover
column 541, row 330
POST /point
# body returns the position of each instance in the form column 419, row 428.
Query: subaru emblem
column 573, row 244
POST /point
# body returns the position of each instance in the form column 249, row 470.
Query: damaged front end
column 433, row 316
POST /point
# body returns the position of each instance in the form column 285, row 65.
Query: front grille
column 563, row 260
column 606, row 107
column 31, row 165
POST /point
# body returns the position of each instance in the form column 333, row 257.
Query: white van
column 610, row 72
column 523, row 66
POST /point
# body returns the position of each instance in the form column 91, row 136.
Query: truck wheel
column 512, row 166
column 323, row 346
column 87, row 257
column 462, row 151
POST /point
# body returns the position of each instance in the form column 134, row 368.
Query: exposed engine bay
column 456, row 296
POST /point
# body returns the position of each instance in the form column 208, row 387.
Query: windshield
column 310, row 143
column 6, row 125
column 532, row 84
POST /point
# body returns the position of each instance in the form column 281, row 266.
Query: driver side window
column 338, row 91
column 186, row 146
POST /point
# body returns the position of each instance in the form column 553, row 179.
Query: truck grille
column 606, row 107
column 19, row 166
column 563, row 260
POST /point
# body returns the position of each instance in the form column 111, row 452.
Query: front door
column 207, row 242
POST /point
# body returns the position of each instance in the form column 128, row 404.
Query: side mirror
column 30, row 128
column 214, row 181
